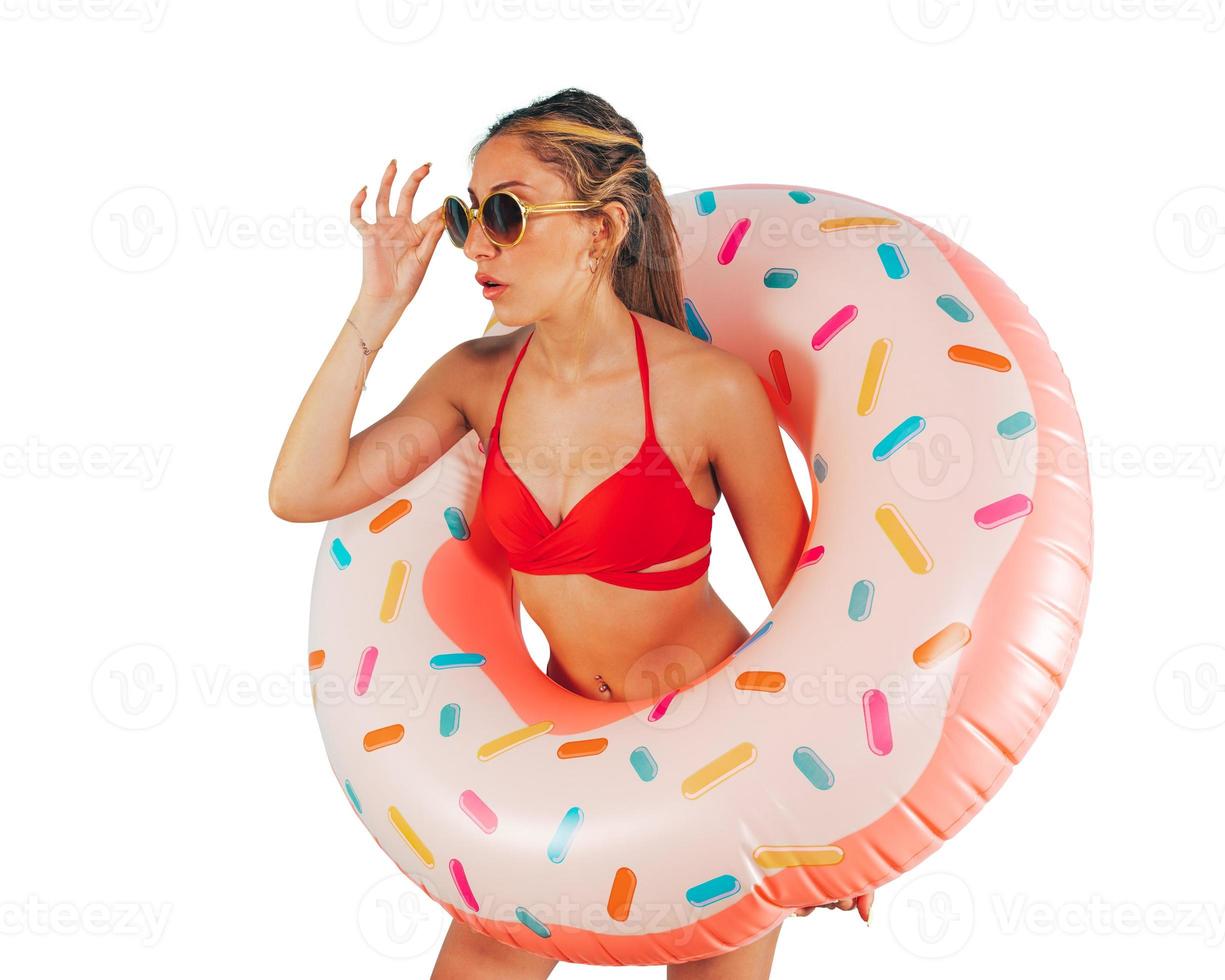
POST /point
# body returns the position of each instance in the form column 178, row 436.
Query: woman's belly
column 617, row 644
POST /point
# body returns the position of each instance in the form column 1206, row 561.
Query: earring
column 592, row 262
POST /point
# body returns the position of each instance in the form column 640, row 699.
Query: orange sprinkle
column 315, row 659
column 583, row 747
column 761, row 680
column 979, row 357
column 379, row 738
column 621, row 895
column 391, row 515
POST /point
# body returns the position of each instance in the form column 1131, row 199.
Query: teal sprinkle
column 456, row 523
column 533, row 923
column 813, row 768
column 954, row 308
column 705, row 202
column 693, row 320
column 448, row 720
column 801, row 197
column 442, row 661
column 893, row 260
column 644, row 763
column 781, row 278
column 820, row 469
column 1016, row 425
column 902, row 433
column 862, row 594
column 709, row 892
column 340, row 554
column 357, row 804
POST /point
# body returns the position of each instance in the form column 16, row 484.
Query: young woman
column 606, row 456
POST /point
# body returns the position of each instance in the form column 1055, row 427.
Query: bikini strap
column 497, row 422
column 645, row 375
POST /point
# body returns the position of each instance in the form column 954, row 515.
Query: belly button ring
column 603, row 686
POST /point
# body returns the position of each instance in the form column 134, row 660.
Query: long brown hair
column 598, row 152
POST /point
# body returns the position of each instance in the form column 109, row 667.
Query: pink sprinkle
column 735, row 235
column 365, row 669
column 461, row 882
column 661, row 707
column 479, row 811
column 811, row 556
column 1003, row 511
column 829, row 329
column 876, row 717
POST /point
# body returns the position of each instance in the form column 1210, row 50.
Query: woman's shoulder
column 689, row 360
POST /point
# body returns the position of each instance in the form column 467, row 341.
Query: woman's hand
column 395, row 250
column 861, row 902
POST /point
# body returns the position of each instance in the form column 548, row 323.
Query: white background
column 176, row 261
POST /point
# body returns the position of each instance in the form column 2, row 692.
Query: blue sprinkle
column 954, row 308
column 862, row 594
column 693, row 320
column 563, row 837
column 761, row 631
column 713, row 890
column 820, row 469
column 901, row 434
column 813, row 768
column 801, row 197
column 340, row 554
column 448, row 720
column 705, row 201
column 352, row 794
column 456, row 523
column 441, row 661
column 893, row 260
column 533, row 923
column 1015, row 425
column 644, row 763
column 781, row 278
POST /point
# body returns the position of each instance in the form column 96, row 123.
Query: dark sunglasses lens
column 503, row 219
column 457, row 222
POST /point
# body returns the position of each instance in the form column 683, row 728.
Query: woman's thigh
column 751, row 962
column 470, row 955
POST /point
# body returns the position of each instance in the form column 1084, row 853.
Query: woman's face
column 548, row 270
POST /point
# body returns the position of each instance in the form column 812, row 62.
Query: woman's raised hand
column 395, row 250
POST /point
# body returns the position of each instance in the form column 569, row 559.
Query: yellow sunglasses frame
column 474, row 213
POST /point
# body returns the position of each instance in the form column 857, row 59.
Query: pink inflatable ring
column 942, row 588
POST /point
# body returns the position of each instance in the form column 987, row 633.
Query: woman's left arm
column 745, row 446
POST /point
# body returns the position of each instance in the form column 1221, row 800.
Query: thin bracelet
column 366, row 351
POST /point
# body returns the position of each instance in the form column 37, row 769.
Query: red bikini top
column 641, row 515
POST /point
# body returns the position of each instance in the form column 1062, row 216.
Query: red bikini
column 641, row 515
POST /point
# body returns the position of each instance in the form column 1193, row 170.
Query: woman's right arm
column 322, row 472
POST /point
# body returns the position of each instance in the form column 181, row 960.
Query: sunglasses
column 502, row 215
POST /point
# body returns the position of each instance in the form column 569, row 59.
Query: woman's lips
column 493, row 292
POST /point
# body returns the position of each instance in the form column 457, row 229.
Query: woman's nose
column 477, row 245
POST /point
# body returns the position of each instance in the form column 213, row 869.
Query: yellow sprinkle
column 715, row 772
column 874, row 375
column 903, row 539
column 508, row 741
column 393, row 594
column 797, row 856
column 410, row 837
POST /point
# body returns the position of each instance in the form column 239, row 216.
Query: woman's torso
column 563, row 443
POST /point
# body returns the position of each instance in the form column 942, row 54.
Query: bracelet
column 366, row 351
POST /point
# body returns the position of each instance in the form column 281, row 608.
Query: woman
column 604, row 460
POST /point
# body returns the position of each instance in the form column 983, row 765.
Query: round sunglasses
column 502, row 215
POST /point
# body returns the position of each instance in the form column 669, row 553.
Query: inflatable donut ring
column 916, row 652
